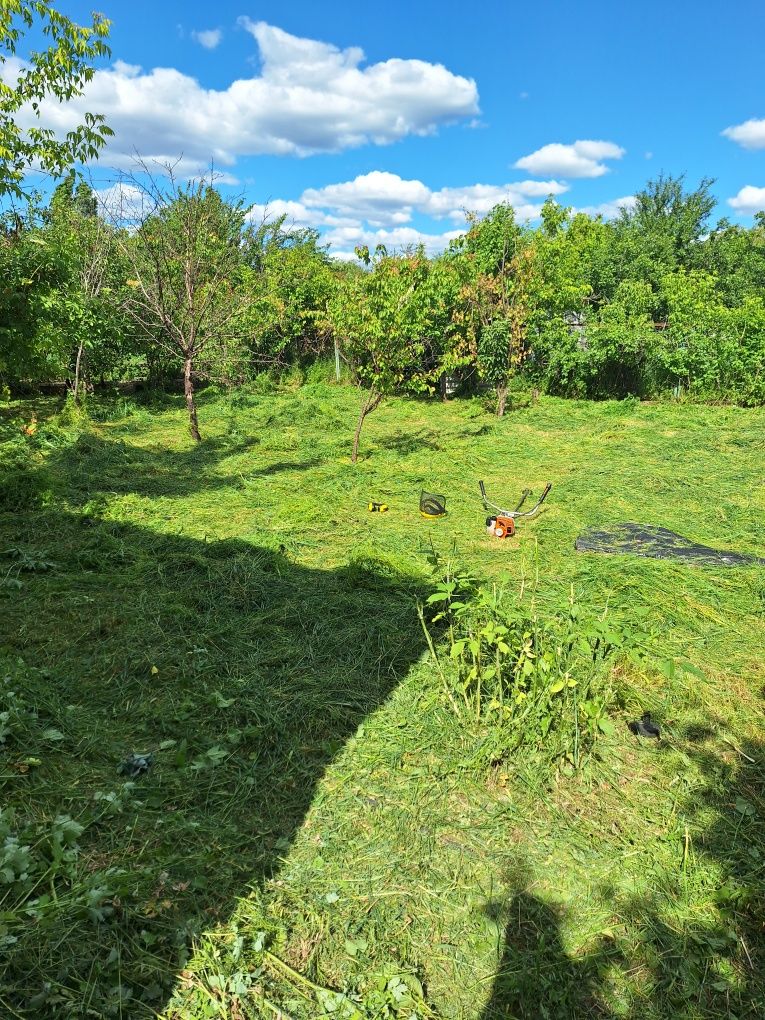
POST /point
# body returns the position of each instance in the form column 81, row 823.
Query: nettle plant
column 537, row 681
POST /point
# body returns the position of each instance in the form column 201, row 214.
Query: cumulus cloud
column 749, row 200
column 308, row 97
column 124, row 203
column 609, row 210
column 298, row 214
column 378, row 207
column 208, row 37
column 579, row 159
column 380, row 197
column 344, row 239
column 385, row 199
column 750, row 134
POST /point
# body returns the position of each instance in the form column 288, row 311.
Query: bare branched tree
column 188, row 293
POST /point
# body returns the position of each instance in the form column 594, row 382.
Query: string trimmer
column 501, row 523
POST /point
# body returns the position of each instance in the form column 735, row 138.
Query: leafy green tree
column 709, row 349
column 498, row 296
column 389, row 321
column 292, row 283
column 86, row 299
column 58, row 73
column 30, row 274
column 665, row 212
column 735, row 255
column 663, row 231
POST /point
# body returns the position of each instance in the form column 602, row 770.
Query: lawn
column 319, row 834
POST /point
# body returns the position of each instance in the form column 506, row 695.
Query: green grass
column 317, row 818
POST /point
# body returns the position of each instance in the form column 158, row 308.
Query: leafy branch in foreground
column 58, row 73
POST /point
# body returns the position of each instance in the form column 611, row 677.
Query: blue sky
column 377, row 122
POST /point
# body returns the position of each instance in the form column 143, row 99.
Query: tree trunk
column 188, row 390
column 78, row 372
column 501, row 399
column 368, row 405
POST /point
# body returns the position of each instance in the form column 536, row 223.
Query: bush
column 536, row 682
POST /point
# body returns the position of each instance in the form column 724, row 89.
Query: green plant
column 541, row 680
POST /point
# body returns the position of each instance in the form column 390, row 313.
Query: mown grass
column 317, row 817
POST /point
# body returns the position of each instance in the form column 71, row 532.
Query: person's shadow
column 535, row 977
column 242, row 671
column 712, row 966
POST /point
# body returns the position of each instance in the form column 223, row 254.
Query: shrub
column 532, row 681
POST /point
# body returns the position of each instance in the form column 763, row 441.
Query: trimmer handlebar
column 488, row 505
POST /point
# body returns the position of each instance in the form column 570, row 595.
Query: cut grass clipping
column 391, row 774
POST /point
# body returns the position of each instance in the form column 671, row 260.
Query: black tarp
column 660, row 544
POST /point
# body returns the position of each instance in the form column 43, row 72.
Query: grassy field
column 319, row 833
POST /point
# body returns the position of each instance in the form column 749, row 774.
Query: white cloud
column 480, row 198
column 378, row 207
column 750, row 134
column 380, row 197
column 385, row 199
column 124, row 203
column 609, row 210
column 749, row 200
column 208, row 37
column 344, row 239
column 298, row 215
column 308, row 97
column 580, row 159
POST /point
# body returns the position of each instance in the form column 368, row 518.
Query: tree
column 498, row 296
column 663, row 230
column 190, row 291
column 292, row 283
column 389, row 320
column 88, row 313
column 59, row 73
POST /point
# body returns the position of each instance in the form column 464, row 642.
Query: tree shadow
column 242, row 671
column 411, row 442
column 96, row 466
column 536, row 977
column 707, row 966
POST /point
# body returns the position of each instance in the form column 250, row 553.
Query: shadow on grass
column 673, row 964
column 93, row 466
column 405, row 443
column 243, row 672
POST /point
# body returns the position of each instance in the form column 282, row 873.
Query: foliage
column 391, row 322
column 654, row 304
column 534, row 682
column 292, row 283
column 188, row 294
column 56, row 74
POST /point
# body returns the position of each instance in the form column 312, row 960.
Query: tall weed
column 542, row 682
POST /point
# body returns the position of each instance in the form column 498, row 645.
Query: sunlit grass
column 317, row 817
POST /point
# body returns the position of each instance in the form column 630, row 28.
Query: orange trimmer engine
column 501, row 523
column 500, row 527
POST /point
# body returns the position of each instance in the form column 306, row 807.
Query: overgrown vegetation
column 336, row 822
column 181, row 285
